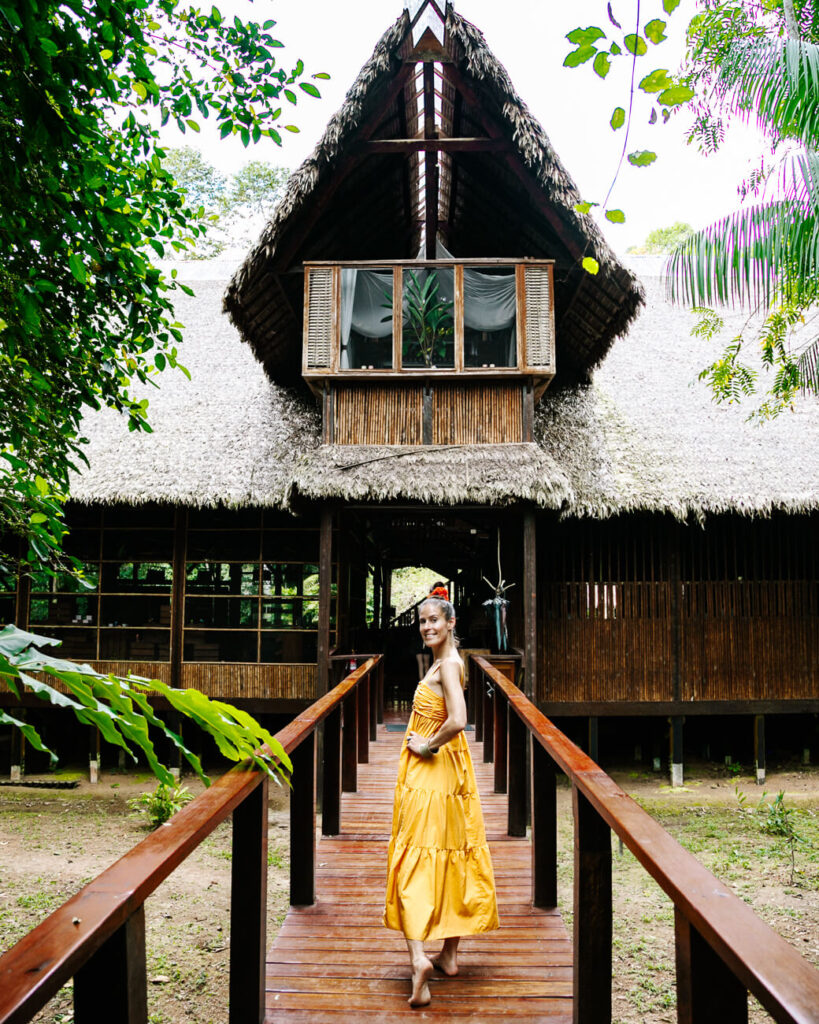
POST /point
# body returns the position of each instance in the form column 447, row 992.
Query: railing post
column 303, row 823
column 544, row 828
column 707, row 991
column 501, row 726
column 490, row 699
column 372, row 693
column 331, row 779
column 248, row 908
column 111, row 986
column 517, row 743
column 592, row 914
column 363, row 711
column 381, row 691
column 479, row 683
column 349, row 744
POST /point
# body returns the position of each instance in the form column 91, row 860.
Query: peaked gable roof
column 502, row 191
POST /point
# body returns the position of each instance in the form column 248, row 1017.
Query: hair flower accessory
column 441, row 592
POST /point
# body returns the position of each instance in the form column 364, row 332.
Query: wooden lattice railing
column 723, row 950
column 98, row 936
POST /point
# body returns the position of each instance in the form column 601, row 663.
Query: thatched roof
column 518, row 201
column 644, row 435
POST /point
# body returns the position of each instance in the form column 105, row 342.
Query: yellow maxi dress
column 440, row 881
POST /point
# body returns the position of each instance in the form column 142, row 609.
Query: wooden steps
column 335, row 960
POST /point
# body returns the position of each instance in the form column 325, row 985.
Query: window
column 490, row 318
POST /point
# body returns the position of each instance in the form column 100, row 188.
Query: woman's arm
column 455, row 711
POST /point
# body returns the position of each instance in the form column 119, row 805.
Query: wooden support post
column 430, row 164
column 303, row 823
column 386, row 598
column 517, row 745
column 177, row 651
column 331, row 777
column 18, row 748
column 349, row 743
column 594, row 738
column 372, row 693
column 381, row 691
column 377, row 585
column 501, row 730
column 248, row 905
column 530, row 605
column 93, row 754
column 480, row 685
column 111, row 986
column 707, row 991
column 363, row 711
column 544, row 828
column 592, row 914
column 490, row 698
column 759, row 748
column 677, row 750
column 426, row 415
column 325, row 596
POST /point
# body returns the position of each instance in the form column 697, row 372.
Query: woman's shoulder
column 457, row 661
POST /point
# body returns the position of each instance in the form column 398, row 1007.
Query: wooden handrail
column 34, row 970
column 765, row 964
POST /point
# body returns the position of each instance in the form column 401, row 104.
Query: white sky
column 573, row 105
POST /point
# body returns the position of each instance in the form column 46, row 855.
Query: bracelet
column 426, row 750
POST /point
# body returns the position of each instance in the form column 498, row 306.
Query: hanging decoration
column 498, row 605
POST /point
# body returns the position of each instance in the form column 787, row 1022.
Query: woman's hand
column 415, row 741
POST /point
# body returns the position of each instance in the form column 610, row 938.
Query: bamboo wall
column 643, row 609
column 457, row 413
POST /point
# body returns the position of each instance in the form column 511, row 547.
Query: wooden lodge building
column 415, row 369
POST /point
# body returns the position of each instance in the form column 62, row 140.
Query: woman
column 440, row 883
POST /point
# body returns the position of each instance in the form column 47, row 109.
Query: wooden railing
column 98, row 936
column 723, row 950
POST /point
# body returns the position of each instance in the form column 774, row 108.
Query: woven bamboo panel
column 147, row 669
column 490, row 413
column 540, row 347
column 378, row 414
column 261, row 682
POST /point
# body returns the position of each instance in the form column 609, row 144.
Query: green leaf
column 291, row 128
column 590, row 265
column 37, row 518
column 77, row 267
column 676, row 95
column 635, row 44
column 585, row 36
column 615, row 50
column 192, row 124
column 656, row 81
column 584, row 207
column 601, row 65
column 41, row 484
column 655, row 31
column 321, row 74
column 669, row 6
column 310, row 89
column 616, row 216
column 641, row 158
column 140, row 89
column 579, row 56
column 618, row 118
column 48, row 46
column 106, row 54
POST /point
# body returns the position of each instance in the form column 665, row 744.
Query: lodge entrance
column 458, row 547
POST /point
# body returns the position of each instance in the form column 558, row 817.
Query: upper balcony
column 473, row 318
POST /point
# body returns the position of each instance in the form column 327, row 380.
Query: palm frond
column 774, row 83
column 809, row 368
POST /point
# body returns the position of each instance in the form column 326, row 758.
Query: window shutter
column 540, row 342
column 320, row 319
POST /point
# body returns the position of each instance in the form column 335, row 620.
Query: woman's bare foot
column 421, row 971
column 447, row 960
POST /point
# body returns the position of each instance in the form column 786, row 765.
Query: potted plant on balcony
column 428, row 320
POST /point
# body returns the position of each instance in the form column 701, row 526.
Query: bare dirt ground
column 53, row 842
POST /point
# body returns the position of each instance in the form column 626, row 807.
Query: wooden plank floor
column 335, row 960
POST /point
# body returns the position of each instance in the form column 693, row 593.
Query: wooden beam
column 470, row 144
column 430, row 164
column 523, row 174
column 530, row 604
column 325, row 596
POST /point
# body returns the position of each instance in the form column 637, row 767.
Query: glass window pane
column 428, row 318
column 135, row 645
column 135, row 611
column 66, row 610
column 289, row 647
column 366, row 319
column 123, row 577
column 210, row 645
column 284, row 614
column 222, row 578
column 222, row 612
column 490, row 316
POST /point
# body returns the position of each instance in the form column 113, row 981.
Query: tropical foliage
column 121, row 710
column 87, row 205
column 662, row 240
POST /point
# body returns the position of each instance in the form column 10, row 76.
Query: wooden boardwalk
column 335, row 961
